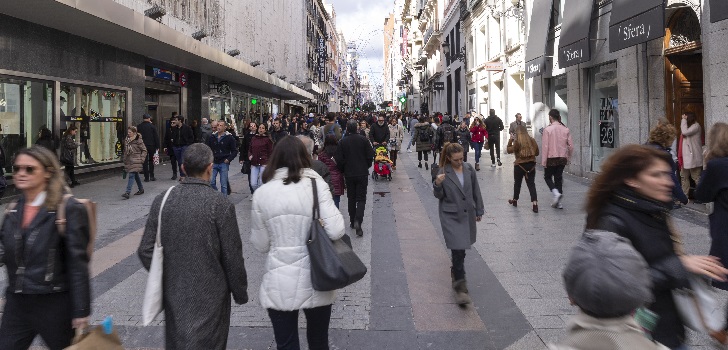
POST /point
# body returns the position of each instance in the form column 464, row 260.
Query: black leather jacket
column 41, row 261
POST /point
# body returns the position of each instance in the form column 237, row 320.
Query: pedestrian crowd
column 623, row 273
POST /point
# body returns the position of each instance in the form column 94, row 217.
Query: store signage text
column 494, row 67
column 438, row 86
column 322, row 59
column 607, row 113
column 636, row 30
column 183, row 79
column 535, row 67
column 575, row 53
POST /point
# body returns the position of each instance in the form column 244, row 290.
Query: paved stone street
column 405, row 301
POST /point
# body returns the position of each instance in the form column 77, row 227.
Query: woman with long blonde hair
column 526, row 149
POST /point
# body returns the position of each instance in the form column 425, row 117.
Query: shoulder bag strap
column 158, row 241
column 316, row 214
column 61, row 214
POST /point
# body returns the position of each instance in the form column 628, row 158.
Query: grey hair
column 197, row 158
column 308, row 142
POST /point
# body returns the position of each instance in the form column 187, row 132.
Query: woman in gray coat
column 460, row 207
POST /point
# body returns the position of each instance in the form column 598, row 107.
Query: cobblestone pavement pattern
column 405, row 301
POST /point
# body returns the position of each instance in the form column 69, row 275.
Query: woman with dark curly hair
column 661, row 137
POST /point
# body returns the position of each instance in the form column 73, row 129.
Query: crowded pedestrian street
column 404, row 301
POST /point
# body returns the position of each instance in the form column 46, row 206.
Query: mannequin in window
column 85, row 136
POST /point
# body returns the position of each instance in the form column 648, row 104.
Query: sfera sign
column 535, row 67
column 641, row 28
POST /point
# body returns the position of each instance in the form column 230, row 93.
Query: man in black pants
column 151, row 141
column 494, row 125
column 354, row 157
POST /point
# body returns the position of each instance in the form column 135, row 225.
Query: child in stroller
column 382, row 164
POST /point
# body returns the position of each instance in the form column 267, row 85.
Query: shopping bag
column 155, row 158
column 152, row 304
column 700, row 309
column 96, row 338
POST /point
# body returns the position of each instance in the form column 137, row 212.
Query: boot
column 357, row 228
column 513, row 202
column 461, row 293
column 419, row 165
column 427, row 166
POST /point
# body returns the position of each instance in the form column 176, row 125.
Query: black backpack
column 425, row 133
column 448, row 133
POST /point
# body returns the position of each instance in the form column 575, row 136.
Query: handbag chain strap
column 158, row 241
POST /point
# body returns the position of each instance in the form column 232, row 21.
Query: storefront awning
column 574, row 45
column 537, row 36
column 109, row 23
column 718, row 10
column 634, row 22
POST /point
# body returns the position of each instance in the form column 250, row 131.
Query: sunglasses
column 29, row 169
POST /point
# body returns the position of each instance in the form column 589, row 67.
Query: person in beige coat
column 691, row 150
column 134, row 155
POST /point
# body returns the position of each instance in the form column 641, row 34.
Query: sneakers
column 492, row 165
column 125, row 195
column 419, row 165
column 499, row 163
column 409, row 151
column 139, row 192
column 153, row 178
column 477, row 166
column 557, row 196
column 535, row 208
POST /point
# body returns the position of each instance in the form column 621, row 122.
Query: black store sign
column 322, row 59
column 575, row 53
column 575, row 33
column 535, row 67
column 640, row 28
column 438, row 86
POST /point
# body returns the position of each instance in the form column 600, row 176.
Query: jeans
column 554, row 176
column 478, row 147
column 494, row 144
column 356, row 191
column 458, row 264
column 222, row 169
column 28, row 315
column 337, row 200
column 256, row 172
column 530, row 174
column 179, row 154
column 148, row 167
column 131, row 177
column 285, row 328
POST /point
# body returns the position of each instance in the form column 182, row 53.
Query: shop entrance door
column 160, row 104
column 684, row 87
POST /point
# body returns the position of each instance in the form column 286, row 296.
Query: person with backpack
column 478, row 136
column 462, row 135
column 411, row 127
column 47, row 262
column 494, row 126
column 445, row 133
column 331, row 127
column 424, row 137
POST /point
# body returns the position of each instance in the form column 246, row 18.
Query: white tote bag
column 153, row 294
column 699, row 306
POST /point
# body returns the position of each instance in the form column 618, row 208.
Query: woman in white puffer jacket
column 282, row 213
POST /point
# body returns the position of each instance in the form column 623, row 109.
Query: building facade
column 612, row 80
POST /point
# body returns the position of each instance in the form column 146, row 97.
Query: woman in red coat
column 260, row 150
column 478, row 136
column 327, row 157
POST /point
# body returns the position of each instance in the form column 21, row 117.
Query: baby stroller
column 382, row 164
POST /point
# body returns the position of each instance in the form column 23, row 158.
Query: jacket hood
column 282, row 173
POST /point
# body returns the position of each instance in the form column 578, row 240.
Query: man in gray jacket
column 206, row 131
column 203, row 257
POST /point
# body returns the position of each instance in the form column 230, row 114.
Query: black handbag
column 334, row 265
column 246, row 167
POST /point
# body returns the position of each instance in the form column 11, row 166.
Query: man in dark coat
column 151, row 141
column 278, row 131
column 224, row 148
column 203, row 257
column 379, row 132
column 354, row 157
column 494, row 126
column 179, row 137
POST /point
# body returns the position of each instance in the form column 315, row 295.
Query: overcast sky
column 363, row 21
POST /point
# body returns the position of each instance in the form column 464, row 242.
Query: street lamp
column 459, row 56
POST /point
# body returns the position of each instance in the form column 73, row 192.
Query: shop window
column 557, row 95
column 26, row 106
column 603, row 105
column 100, row 116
